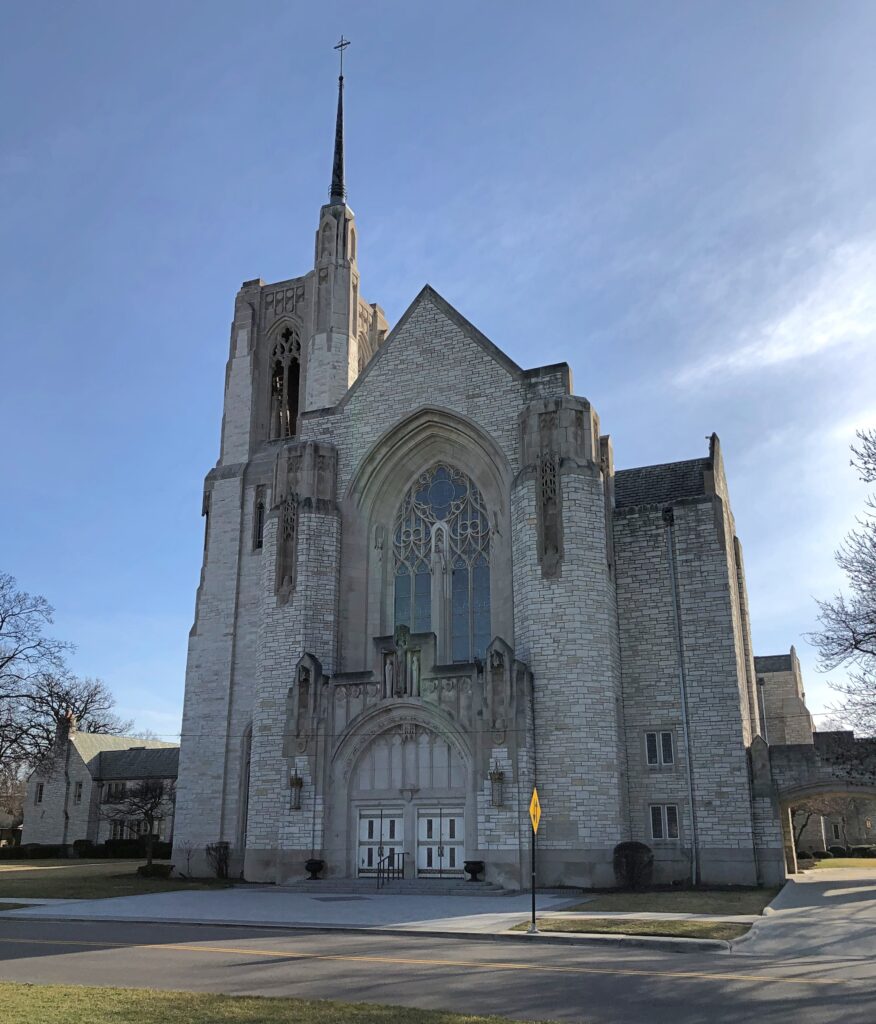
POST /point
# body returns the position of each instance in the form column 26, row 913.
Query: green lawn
column 846, row 862
column 632, row 926
column 66, row 1004
column 682, row 901
column 84, row 880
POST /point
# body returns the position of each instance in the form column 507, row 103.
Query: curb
column 655, row 942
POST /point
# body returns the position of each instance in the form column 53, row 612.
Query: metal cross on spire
column 342, row 45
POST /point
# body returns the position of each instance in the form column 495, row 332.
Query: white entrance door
column 381, row 834
column 440, row 842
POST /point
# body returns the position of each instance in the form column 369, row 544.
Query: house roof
column 137, row 763
column 91, row 744
column 660, row 485
column 773, row 663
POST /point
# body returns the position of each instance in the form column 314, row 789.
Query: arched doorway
column 406, row 786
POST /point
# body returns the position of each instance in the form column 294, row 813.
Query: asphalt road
column 525, row 980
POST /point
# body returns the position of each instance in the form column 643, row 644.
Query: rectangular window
column 459, row 615
column 422, row 602
column 77, row 793
column 666, row 751
column 836, row 831
column 38, row 795
column 659, row 748
column 664, row 821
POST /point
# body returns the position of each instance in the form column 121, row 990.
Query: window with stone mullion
column 442, row 526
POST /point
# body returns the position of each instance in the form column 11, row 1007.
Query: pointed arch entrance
column 403, row 780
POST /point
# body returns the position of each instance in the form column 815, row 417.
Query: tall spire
column 338, row 193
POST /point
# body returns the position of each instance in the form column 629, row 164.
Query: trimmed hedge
column 32, row 851
column 115, row 848
column 820, row 854
column 155, row 870
column 838, row 851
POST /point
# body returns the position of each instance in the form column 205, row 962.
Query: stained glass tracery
column 441, row 546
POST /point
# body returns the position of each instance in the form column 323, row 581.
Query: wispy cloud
column 837, row 309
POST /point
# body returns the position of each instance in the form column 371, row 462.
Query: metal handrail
column 389, row 868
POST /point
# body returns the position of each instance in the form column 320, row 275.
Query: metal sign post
column 535, row 818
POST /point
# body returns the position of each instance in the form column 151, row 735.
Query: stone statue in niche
column 303, row 700
column 402, row 639
column 415, row 673
column 388, row 674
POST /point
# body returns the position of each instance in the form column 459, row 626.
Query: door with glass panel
column 440, row 843
column 381, row 834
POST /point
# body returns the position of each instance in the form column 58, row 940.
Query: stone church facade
column 426, row 589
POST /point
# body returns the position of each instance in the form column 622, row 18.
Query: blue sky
column 676, row 198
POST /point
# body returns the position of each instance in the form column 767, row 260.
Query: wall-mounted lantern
column 295, row 785
column 497, row 785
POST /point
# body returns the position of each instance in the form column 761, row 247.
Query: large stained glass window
column 441, row 546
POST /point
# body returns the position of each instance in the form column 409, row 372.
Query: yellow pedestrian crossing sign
column 534, row 810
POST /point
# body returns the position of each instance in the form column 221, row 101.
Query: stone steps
column 398, row 887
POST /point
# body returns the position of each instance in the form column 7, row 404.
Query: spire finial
column 338, row 193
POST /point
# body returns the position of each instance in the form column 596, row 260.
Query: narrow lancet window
column 285, row 379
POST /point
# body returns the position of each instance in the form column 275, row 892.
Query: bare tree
column 834, row 805
column 140, row 807
column 848, row 622
column 24, row 650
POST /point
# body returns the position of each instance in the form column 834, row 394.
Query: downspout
column 669, row 520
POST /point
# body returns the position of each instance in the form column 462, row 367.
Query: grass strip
column 633, row 926
column 846, row 862
column 13, row 906
column 740, row 900
column 72, row 1004
column 86, row 880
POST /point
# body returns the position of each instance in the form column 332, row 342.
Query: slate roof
column 138, row 763
column 91, row 744
column 660, row 485
column 773, row 663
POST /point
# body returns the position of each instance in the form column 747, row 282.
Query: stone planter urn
column 473, row 868
column 313, row 866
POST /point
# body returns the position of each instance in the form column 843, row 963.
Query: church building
column 426, row 589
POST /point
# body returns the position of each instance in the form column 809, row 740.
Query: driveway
column 830, row 913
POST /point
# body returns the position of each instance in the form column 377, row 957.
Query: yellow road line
column 423, row 962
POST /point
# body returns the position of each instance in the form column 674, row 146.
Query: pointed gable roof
column 428, row 295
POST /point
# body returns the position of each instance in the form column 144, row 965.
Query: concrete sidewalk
column 251, row 906
column 819, row 913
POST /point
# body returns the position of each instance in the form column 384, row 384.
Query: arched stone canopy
column 368, row 509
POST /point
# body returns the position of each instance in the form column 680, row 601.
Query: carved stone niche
column 307, row 469
column 304, row 706
column 499, row 690
column 558, row 435
column 402, row 661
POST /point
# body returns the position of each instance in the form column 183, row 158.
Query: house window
column 114, row 791
column 868, row 824
column 77, row 793
column 659, row 748
column 664, row 821
column 836, row 831
column 441, row 547
column 38, row 795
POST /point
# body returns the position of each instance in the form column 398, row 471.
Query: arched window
column 285, row 376
column 441, row 547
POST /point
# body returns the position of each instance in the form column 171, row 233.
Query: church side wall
column 566, row 631
column 279, row 839
column 205, row 726
column 651, row 687
column 706, row 596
